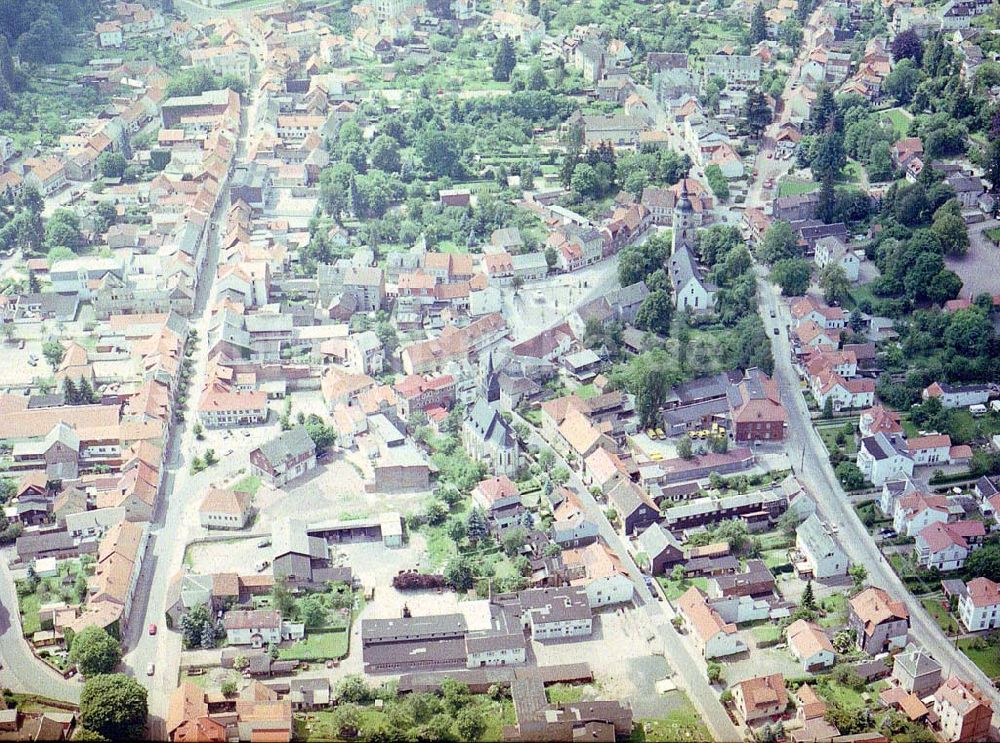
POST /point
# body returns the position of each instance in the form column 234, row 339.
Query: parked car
column 152, row 629
column 150, row 669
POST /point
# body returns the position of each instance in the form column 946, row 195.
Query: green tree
column 833, row 281
column 504, row 61
column 438, row 151
column 780, row 242
column 313, row 610
column 114, row 705
column 94, row 651
column 828, row 156
column 758, row 25
column 850, row 476
column 53, row 351
column 384, row 154
column 475, row 525
column 63, row 229
column 902, row 81
column 470, row 724
column 757, row 114
column 792, row 275
column 458, row 573
column 808, row 598
column 858, row 573
column 514, row 540
column 717, row 182
column 655, row 313
column 985, row 562
column 684, row 447
column 952, row 232
column 112, row 165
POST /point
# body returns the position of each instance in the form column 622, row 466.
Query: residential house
column 713, row 637
column 809, row 643
column 946, row 546
column 833, row 251
column 661, row 548
column 880, row 622
column 979, row 605
column 282, row 459
column 964, row 712
column 224, row 508
column 760, row 698
column 916, row 671
column 881, row 460
column 500, row 501
column 822, row 556
column 957, row 396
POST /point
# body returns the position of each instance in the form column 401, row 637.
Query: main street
column 176, row 522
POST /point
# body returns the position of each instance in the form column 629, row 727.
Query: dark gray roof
column 655, row 540
column 412, row 628
column 684, row 268
column 53, row 400
column 288, row 445
column 487, row 423
column 916, row 661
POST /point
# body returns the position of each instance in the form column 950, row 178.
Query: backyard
column 319, row 645
column 983, row 653
column 682, row 723
column 68, row 587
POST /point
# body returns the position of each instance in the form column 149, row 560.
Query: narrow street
column 688, row 668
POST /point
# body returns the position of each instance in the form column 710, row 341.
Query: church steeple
column 684, row 228
column 491, row 381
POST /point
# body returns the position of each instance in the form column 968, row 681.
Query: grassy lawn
column 775, row 558
column 440, row 546
column 766, row 633
column 682, row 724
column 249, row 484
column 675, row 588
column 835, row 606
column 900, row 120
column 795, row 187
column 947, row 623
column 859, row 294
column 586, row 391
column 988, row 659
column 829, row 436
column 318, row 646
column 30, row 621
column 994, row 235
column 563, row 693
column 834, row 692
column 774, row 540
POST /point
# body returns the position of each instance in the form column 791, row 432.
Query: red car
column 152, row 629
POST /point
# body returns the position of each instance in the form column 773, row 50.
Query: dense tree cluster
column 197, row 80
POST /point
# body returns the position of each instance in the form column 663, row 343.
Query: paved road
column 19, row 668
column 814, row 470
column 688, row 667
column 176, row 522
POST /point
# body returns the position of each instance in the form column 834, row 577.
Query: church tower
column 684, row 227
